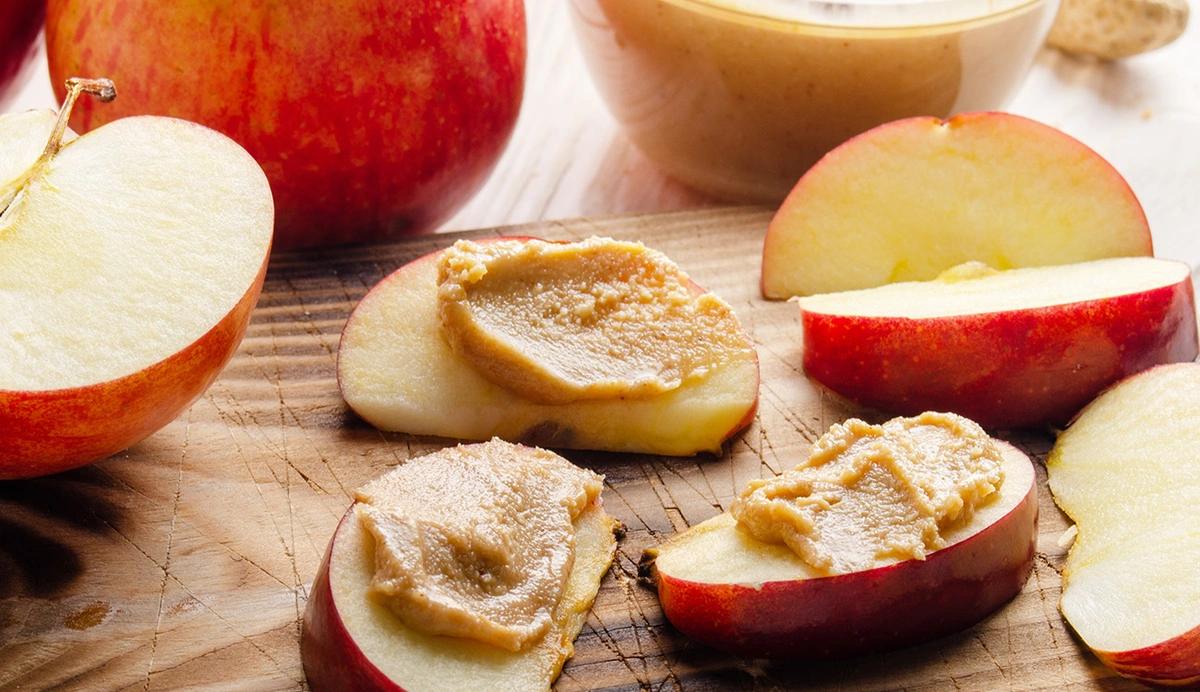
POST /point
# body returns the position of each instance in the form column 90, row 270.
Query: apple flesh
column 1021, row 348
column 909, row 199
column 20, row 23
column 398, row 373
column 1127, row 471
column 372, row 119
column 350, row 642
column 129, row 265
column 725, row 589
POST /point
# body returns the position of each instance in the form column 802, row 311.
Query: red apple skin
column 332, row 661
column 44, row 432
column 862, row 612
column 1021, row 368
column 20, row 23
column 372, row 119
column 1173, row 664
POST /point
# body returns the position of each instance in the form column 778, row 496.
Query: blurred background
column 568, row 158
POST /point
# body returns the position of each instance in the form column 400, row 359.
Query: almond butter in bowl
column 737, row 98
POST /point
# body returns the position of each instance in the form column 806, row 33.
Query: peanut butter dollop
column 595, row 319
column 875, row 492
column 476, row 541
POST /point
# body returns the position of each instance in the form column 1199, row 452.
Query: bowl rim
column 866, row 16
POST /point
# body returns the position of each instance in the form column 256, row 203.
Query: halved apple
column 130, row 259
column 723, row 588
column 351, row 642
column 912, row 198
column 1127, row 471
column 1025, row 347
column 397, row 371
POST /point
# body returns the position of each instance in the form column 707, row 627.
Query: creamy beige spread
column 595, row 319
column 875, row 492
column 738, row 103
column 476, row 541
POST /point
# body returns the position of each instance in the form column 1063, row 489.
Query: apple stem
column 102, row 89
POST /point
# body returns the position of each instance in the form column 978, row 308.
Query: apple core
column 871, row 493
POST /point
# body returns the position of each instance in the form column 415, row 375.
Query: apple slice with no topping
column 912, row 198
column 1127, row 471
column 723, row 588
column 396, row 370
column 1025, row 347
column 130, row 259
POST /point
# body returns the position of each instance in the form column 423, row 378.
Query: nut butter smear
column 595, row 319
column 875, row 492
column 476, row 541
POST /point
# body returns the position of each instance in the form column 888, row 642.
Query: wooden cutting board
column 185, row 562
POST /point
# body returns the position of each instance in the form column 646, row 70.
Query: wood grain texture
column 185, row 562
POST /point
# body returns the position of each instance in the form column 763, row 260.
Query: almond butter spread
column 476, row 541
column 595, row 319
column 875, row 492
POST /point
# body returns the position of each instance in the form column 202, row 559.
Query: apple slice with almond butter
column 472, row 568
column 1127, row 471
column 1020, row 348
column 909, row 199
column 727, row 588
column 402, row 365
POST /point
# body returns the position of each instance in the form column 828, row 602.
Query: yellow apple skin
column 911, row 198
column 44, row 432
column 828, row 617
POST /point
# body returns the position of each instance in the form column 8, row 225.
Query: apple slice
column 912, row 198
column 721, row 587
column 1025, row 347
column 351, row 642
column 130, row 259
column 1127, row 471
column 397, row 372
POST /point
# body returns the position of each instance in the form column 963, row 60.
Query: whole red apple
column 20, row 22
column 372, row 119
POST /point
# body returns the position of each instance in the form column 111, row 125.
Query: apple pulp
column 372, row 119
column 350, row 642
column 1127, row 472
column 1022, row 348
column 732, row 592
column 397, row 372
column 130, row 263
column 909, row 199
